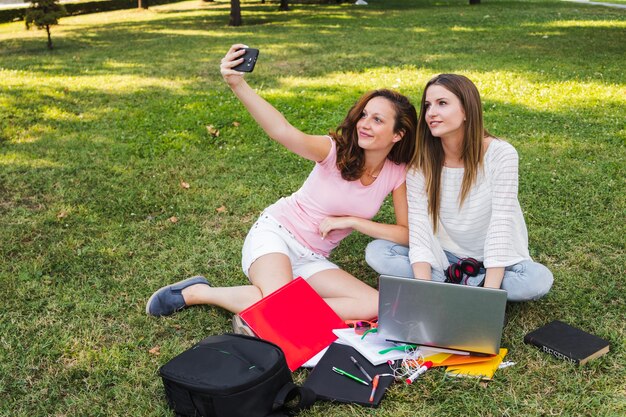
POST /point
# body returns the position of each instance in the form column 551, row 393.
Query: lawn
column 99, row 138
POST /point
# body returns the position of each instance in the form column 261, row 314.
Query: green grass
column 97, row 135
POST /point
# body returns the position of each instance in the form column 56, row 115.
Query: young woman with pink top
column 356, row 168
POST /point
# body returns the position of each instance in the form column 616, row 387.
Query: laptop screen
column 441, row 315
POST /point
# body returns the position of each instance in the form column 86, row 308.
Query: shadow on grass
column 543, row 46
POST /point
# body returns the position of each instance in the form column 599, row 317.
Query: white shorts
column 267, row 235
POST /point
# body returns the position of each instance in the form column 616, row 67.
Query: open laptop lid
column 451, row 316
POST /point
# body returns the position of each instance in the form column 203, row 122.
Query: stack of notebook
column 483, row 367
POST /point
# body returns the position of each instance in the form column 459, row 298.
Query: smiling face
column 375, row 128
column 444, row 113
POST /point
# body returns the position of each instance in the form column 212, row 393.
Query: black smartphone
column 249, row 59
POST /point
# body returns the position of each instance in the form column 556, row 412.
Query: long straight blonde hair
column 429, row 155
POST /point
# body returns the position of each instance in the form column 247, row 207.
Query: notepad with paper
column 295, row 318
column 370, row 346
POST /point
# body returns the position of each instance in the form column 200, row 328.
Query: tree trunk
column 235, row 13
column 142, row 4
column 49, row 37
column 284, row 5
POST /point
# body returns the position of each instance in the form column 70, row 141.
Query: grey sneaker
column 240, row 327
column 168, row 300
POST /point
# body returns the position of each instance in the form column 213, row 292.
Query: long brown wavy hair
column 351, row 157
column 429, row 156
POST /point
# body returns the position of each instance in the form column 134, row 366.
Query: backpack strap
column 287, row 393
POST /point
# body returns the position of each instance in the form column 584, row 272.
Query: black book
column 567, row 342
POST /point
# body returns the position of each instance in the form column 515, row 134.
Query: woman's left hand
column 233, row 58
column 331, row 223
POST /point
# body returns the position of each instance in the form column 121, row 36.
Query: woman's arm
column 503, row 239
column 312, row 147
column 422, row 270
column 425, row 252
column 493, row 278
column 398, row 232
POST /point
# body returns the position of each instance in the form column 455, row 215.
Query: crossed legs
column 524, row 281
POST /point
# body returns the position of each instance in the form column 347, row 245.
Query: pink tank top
column 325, row 193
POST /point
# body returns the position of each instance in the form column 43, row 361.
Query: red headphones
column 465, row 266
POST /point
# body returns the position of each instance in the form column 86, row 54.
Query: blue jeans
column 524, row 281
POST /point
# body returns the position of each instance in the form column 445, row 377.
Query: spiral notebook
column 296, row 319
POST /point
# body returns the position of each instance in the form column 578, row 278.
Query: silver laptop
column 441, row 315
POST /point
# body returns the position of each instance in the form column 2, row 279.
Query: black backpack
column 232, row 375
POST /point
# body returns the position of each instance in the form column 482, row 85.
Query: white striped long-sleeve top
column 489, row 226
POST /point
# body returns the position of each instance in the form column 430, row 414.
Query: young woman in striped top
column 465, row 221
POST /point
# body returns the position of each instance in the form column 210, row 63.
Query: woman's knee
column 376, row 252
column 270, row 272
column 384, row 256
column 543, row 279
column 378, row 246
column 530, row 281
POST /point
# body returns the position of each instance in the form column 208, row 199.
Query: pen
column 425, row 367
column 358, row 365
column 375, row 385
column 506, row 364
column 344, row 373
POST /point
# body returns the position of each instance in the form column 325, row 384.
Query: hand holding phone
column 249, row 60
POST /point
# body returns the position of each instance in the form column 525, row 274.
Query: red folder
column 295, row 318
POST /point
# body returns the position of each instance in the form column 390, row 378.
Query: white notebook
column 370, row 346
